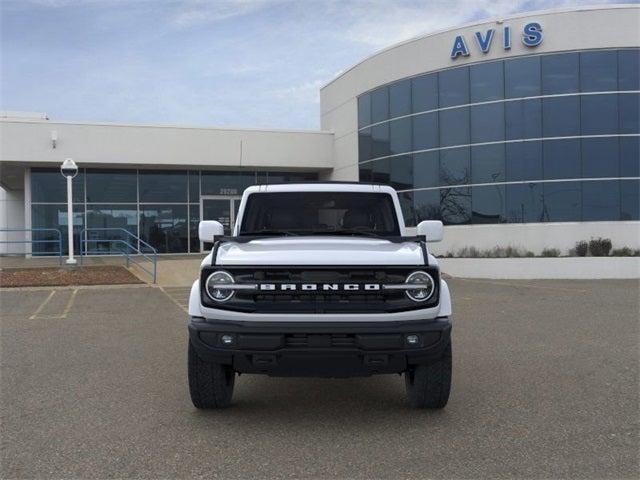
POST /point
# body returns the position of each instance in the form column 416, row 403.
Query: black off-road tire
column 210, row 384
column 428, row 385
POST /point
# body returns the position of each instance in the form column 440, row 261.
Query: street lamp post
column 69, row 170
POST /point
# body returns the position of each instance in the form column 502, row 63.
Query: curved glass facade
column 545, row 138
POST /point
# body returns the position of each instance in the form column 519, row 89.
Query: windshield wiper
column 257, row 233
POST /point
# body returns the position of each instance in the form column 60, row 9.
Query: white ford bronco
column 319, row 280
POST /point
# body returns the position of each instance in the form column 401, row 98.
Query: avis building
column 521, row 131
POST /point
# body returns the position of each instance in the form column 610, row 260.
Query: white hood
column 319, row 251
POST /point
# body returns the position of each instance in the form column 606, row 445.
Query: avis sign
column 531, row 37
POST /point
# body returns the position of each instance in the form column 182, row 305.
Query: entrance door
column 222, row 209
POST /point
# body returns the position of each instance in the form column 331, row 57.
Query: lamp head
column 69, row 169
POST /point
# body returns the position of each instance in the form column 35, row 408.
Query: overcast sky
column 244, row 63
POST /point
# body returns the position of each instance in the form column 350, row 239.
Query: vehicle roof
column 321, row 187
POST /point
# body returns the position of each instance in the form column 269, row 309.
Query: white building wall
column 11, row 217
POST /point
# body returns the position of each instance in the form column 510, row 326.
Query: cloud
column 190, row 13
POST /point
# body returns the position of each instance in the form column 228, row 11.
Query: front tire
column 428, row 385
column 210, row 384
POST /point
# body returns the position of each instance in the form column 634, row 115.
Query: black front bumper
column 319, row 349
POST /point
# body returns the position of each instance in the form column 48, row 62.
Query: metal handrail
column 32, row 241
column 150, row 256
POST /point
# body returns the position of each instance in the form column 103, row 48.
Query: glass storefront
column 162, row 207
column 548, row 138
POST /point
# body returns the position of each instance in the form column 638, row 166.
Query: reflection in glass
column 561, row 159
column 226, row 183
column 523, row 161
column 114, row 218
column 54, row 216
column 117, row 186
column 629, row 113
column 194, row 186
column 524, row 203
column 455, row 205
column 163, row 186
column 455, row 166
column 379, row 104
column 488, row 204
column 600, row 157
column 599, row 114
column 400, row 135
column 562, row 202
column 380, row 141
column 453, row 87
column 400, row 99
column 629, row 69
column 194, row 221
column 561, row 116
column 364, row 145
column 487, row 123
column 599, row 71
column 165, row 227
column 406, row 205
column 630, row 200
column 364, row 172
column 424, row 93
column 364, row 110
column 560, row 73
column 425, row 131
column 600, row 200
column 426, row 169
column 401, row 172
column 49, row 186
column 522, row 77
column 380, row 171
column 454, row 127
column 487, row 81
column 523, row 119
column 426, row 205
column 487, row 164
column 630, row 157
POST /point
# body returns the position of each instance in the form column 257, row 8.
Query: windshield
column 320, row 213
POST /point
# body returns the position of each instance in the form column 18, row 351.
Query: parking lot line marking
column 42, row 305
column 181, row 306
column 65, row 312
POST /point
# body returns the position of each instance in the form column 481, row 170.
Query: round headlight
column 219, row 279
column 426, row 289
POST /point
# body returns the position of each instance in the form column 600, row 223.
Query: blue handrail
column 151, row 256
column 32, row 241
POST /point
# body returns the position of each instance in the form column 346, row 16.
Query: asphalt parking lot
column 94, row 385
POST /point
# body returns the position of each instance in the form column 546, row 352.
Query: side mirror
column 207, row 229
column 430, row 229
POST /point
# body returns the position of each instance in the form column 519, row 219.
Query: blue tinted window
column 487, row 81
column 487, row 164
column 49, row 186
column 455, row 205
column 561, row 159
column 364, row 110
column 163, row 186
column 523, row 119
column 487, row 123
column 112, row 217
column 561, row 116
column 600, row 157
column 380, row 171
column 380, row 140
column 522, row 77
column 425, row 131
column 629, row 69
column 426, row 204
column 53, row 216
column 426, row 169
column 524, row 203
column 453, row 87
column 562, row 201
column 401, row 173
column 400, row 135
column 112, row 186
column 365, row 147
column 600, row 200
column 630, row 156
column 629, row 112
column 194, row 187
column 454, row 127
column 424, row 92
column 630, row 200
column 560, row 73
column 523, row 161
column 599, row 114
column 379, row 105
column 455, row 166
column 165, row 227
column 400, row 98
column 488, row 204
column 599, row 71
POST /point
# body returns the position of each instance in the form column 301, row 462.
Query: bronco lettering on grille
column 314, row 287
